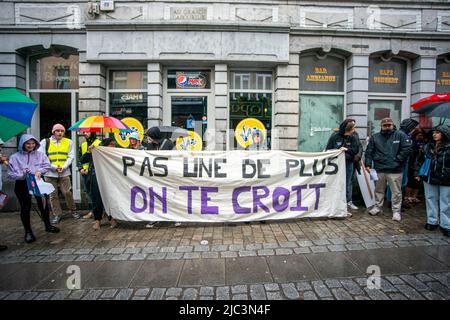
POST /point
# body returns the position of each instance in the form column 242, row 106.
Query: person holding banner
column 387, row 152
column 156, row 141
column 97, row 202
column 135, row 142
column 91, row 139
column 436, row 179
column 345, row 140
column 28, row 160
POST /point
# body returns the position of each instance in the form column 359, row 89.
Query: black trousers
column 21, row 191
column 97, row 203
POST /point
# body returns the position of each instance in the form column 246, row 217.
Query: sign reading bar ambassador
column 220, row 186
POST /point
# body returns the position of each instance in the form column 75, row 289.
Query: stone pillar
column 357, row 92
column 155, row 95
column 12, row 71
column 92, row 92
column 423, row 78
column 423, row 83
column 286, row 106
column 220, row 124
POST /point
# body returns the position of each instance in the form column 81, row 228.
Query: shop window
column 442, row 75
column 122, row 80
column 251, row 97
column 387, row 91
column 321, row 100
column 128, row 95
column 387, row 76
column 54, row 72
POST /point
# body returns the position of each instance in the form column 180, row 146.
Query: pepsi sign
column 190, row 80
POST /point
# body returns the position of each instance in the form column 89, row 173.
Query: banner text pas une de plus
column 215, row 186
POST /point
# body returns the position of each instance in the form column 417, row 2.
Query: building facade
column 300, row 67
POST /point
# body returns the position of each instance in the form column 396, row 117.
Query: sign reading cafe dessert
column 217, row 186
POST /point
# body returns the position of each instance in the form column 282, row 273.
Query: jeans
column 438, row 205
column 349, row 179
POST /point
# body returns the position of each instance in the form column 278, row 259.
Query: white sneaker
column 396, row 217
column 151, row 224
column 349, row 214
column 374, row 211
column 177, row 224
column 351, row 205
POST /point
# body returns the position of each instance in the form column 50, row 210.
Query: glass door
column 190, row 113
column 379, row 109
column 319, row 115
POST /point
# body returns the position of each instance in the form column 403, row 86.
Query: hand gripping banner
column 216, row 186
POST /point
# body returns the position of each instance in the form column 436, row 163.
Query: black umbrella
column 173, row 132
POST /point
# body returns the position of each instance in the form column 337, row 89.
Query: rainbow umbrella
column 16, row 112
column 100, row 124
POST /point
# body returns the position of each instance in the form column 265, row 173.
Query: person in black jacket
column 156, row 141
column 437, row 182
column 97, row 202
column 387, row 152
column 346, row 141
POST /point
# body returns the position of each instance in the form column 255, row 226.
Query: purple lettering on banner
column 277, row 193
column 189, row 190
column 317, row 187
column 299, row 198
column 257, row 198
column 236, row 207
column 162, row 199
column 134, row 192
column 204, row 197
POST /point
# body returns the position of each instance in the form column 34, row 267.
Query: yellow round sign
column 135, row 125
column 193, row 142
column 246, row 129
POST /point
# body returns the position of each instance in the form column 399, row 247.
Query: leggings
column 21, row 191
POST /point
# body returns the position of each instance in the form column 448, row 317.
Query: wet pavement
column 291, row 259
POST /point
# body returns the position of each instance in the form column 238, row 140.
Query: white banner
column 215, row 186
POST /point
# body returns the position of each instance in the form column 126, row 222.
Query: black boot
column 3, row 248
column 29, row 237
column 51, row 229
column 431, row 227
column 446, row 232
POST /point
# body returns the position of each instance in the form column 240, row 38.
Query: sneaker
column 88, row 216
column 349, row 214
column 3, row 248
column 76, row 215
column 55, row 219
column 29, row 237
column 396, row 217
column 351, row 205
column 431, row 227
column 151, row 224
column 51, row 229
column 374, row 211
column 177, row 224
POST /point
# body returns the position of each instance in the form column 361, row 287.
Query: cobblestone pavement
column 300, row 259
